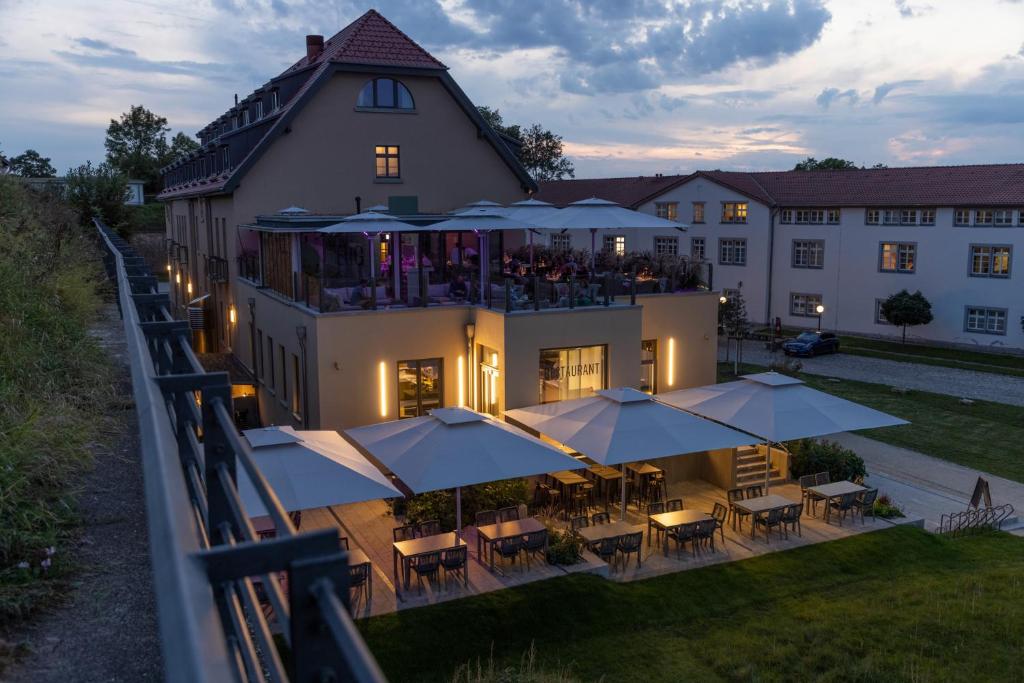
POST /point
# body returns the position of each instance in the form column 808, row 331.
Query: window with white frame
column 873, row 216
column 832, row 216
column 615, row 244
column 962, row 217
column 880, row 318
column 897, row 257
column 245, row 117
column 275, row 100
column 804, row 305
column 734, row 212
column 1020, row 216
column 1002, row 217
column 908, row 216
column 259, row 109
column 985, row 320
column 786, row 216
column 698, row 212
column 667, row 210
column 666, row 246
column 891, row 216
column 808, row 254
column 560, row 241
column 990, row 260
column 732, row 252
column 697, row 252
column 927, row 216
column 983, row 216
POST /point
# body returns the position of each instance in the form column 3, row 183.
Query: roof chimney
column 314, row 47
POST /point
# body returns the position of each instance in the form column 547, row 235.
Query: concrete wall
column 690, row 319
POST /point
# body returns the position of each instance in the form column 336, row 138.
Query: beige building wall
column 690, row 320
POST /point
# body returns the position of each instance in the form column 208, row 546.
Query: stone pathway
column 941, row 380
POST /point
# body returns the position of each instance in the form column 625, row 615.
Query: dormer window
column 275, row 100
column 259, row 109
column 245, row 117
column 385, row 93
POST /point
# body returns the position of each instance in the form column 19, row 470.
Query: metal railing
column 209, row 566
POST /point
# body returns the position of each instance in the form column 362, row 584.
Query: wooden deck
column 368, row 526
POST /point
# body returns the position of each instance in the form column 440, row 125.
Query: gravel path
column 952, row 381
column 107, row 630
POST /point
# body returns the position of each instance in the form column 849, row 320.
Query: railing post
column 315, row 654
column 217, row 454
column 572, row 291
column 536, row 292
column 508, row 295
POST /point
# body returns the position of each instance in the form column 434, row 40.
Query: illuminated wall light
column 232, row 315
column 188, row 288
column 671, row 361
column 382, row 379
column 168, row 267
column 462, row 382
column 177, row 278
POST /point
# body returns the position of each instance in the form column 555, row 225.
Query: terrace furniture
column 580, row 522
column 606, row 549
column 720, row 514
column 734, row 496
column 864, row 503
column 360, row 574
column 674, row 505
column 669, row 521
column 429, row 528
column 494, row 534
column 762, row 504
column 769, row 519
column 830, row 493
column 606, row 478
column 653, row 509
column 428, row 566
column 545, row 500
column 629, row 544
column 508, row 514
column 405, row 552
column 593, row 535
column 821, row 478
column 807, row 482
column 343, row 542
column 644, row 472
column 754, row 491
column 600, row 518
column 533, row 543
column 509, row 549
column 454, row 561
column 682, row 534
column 704, row 535
column 404, row 533
column 486, row 517
column 791, row 518
column 842, row 505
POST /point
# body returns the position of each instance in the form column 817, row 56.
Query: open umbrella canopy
column 777, row 408
column 481, row 218
column 625, row 425
column 480, row 204
column 597, row 213
column 370, row 223
column 453, row 447
column 310, row 469
column 528, row 209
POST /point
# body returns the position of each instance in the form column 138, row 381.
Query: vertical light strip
column 462, row 382
column 671, row 361
column 383, row 382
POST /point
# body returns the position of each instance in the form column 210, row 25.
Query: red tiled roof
column 984, row 185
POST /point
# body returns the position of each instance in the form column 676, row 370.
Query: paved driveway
column 952, row 381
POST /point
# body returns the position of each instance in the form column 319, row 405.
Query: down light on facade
column 382, row 381
column 177, row 278
column 168, row 267
column 671, row 361
column 188, row 288
column 232, row 315
column 462, row 381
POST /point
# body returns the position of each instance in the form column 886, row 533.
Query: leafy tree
column 907, row 310
column 31, row 165
column 98, row 191
column 540, row 150
column 137, row 145
column 732, row 316
column 181, row 145
column 827, row 164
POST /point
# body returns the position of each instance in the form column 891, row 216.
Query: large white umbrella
column 530, row 209
column 456, row 447
column 310, row 469
column 777, row 408
column 371, row 224
column 618, row 426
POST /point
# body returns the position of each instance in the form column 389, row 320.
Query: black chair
column 791, row 519
column 454, row 561
column 653, row 509
column 864, row 503
column 343, row 540
column 359, row 581
column 629, row 544
column 546, row 499
column 427, row 566
column 769, row 519
column 404, row 533
column 600, row 518
column 754, row 491
column 822, row 478
column 682, row 535
column 674, row 505
column 486, row 518
column 508, row 514
column 429, row 528
column 734, row 496
column 580, row 522
column 606, row 549
column 843, row 505
column 720, row 514
column 509, row 549
column 535, row 542
column 704, row 534
column 808, row 497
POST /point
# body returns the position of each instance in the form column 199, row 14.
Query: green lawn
column 899, row 604
column 986, row 436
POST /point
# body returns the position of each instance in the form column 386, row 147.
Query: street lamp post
column 820, row 309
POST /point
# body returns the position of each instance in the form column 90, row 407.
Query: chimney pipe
column 359, row 201
column 314, row 47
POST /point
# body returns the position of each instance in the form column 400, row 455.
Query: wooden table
column 827, row 492
column 420, row 546
column 643, row 471
column 492, row 533
column 568, row 478
column 357, row 557
column 668, row 520
column 605, row 476
column 756, row 506
column 599, row 532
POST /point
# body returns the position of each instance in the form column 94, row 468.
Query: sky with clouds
column 641, row 87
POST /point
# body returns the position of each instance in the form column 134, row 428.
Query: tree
column 181, row 145
column 98, row 191
column 827, row 164
column 30, row 164
column 540, row 151
column 907, row 310
column 137, row 145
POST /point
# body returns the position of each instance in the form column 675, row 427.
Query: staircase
column 750, row 464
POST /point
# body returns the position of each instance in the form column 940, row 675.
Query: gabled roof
column 981, row 185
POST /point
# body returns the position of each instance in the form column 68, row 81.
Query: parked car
column 811, row 344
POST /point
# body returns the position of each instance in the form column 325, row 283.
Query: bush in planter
column 886, row 508
column 440, row 505
column 563, row 546
column 808, row 456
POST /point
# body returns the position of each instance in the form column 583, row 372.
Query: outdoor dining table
column 756, row 506
column 670, row 520
column 599, row 532
column 605, row 477
column 827, row 492
column 492, row 533
column 357, row 557
column 643, row 471
column 406, row 550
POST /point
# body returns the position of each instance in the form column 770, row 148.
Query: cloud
column 98, row 54
column 908, row 11
column 885, row 88
column 830, row 95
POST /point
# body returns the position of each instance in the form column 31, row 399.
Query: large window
column 732, row 252
column 572, row 372
column 387, row 161
column 420, row 387
column 649, row 366
column 615, row 244
column 697, row 248
column 808, row 253
column 560, row 241
column 666, row 246
column 984, row 320
column 698, row 212
column 897, row 257
column 990, row 260
column 804, row 305
column 385, row 93
column 487, row 380
column 667, row 210
column 734, row 212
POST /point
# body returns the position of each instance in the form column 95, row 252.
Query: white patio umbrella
column 594, row 214
column 456, row 447
column 479, row 204
column 310, row 469
column 776, row 408
column 372, row 224
column 618, row 426
column 529, row 209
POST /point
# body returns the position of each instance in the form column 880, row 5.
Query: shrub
column 886, row 508
column 809, row 456
column 563, row 546
column 99, row 191
column 527, row 672
column 440, row 505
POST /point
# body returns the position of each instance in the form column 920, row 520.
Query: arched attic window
column 385, row 93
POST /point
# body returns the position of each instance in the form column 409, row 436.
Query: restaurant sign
column 572, row 372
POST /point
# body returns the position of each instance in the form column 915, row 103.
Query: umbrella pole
column 532, row 271
column 767, row 463
column 593, row 251
column 458, row 513
column 622, row 513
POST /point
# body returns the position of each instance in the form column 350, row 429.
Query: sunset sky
column 633, row 87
